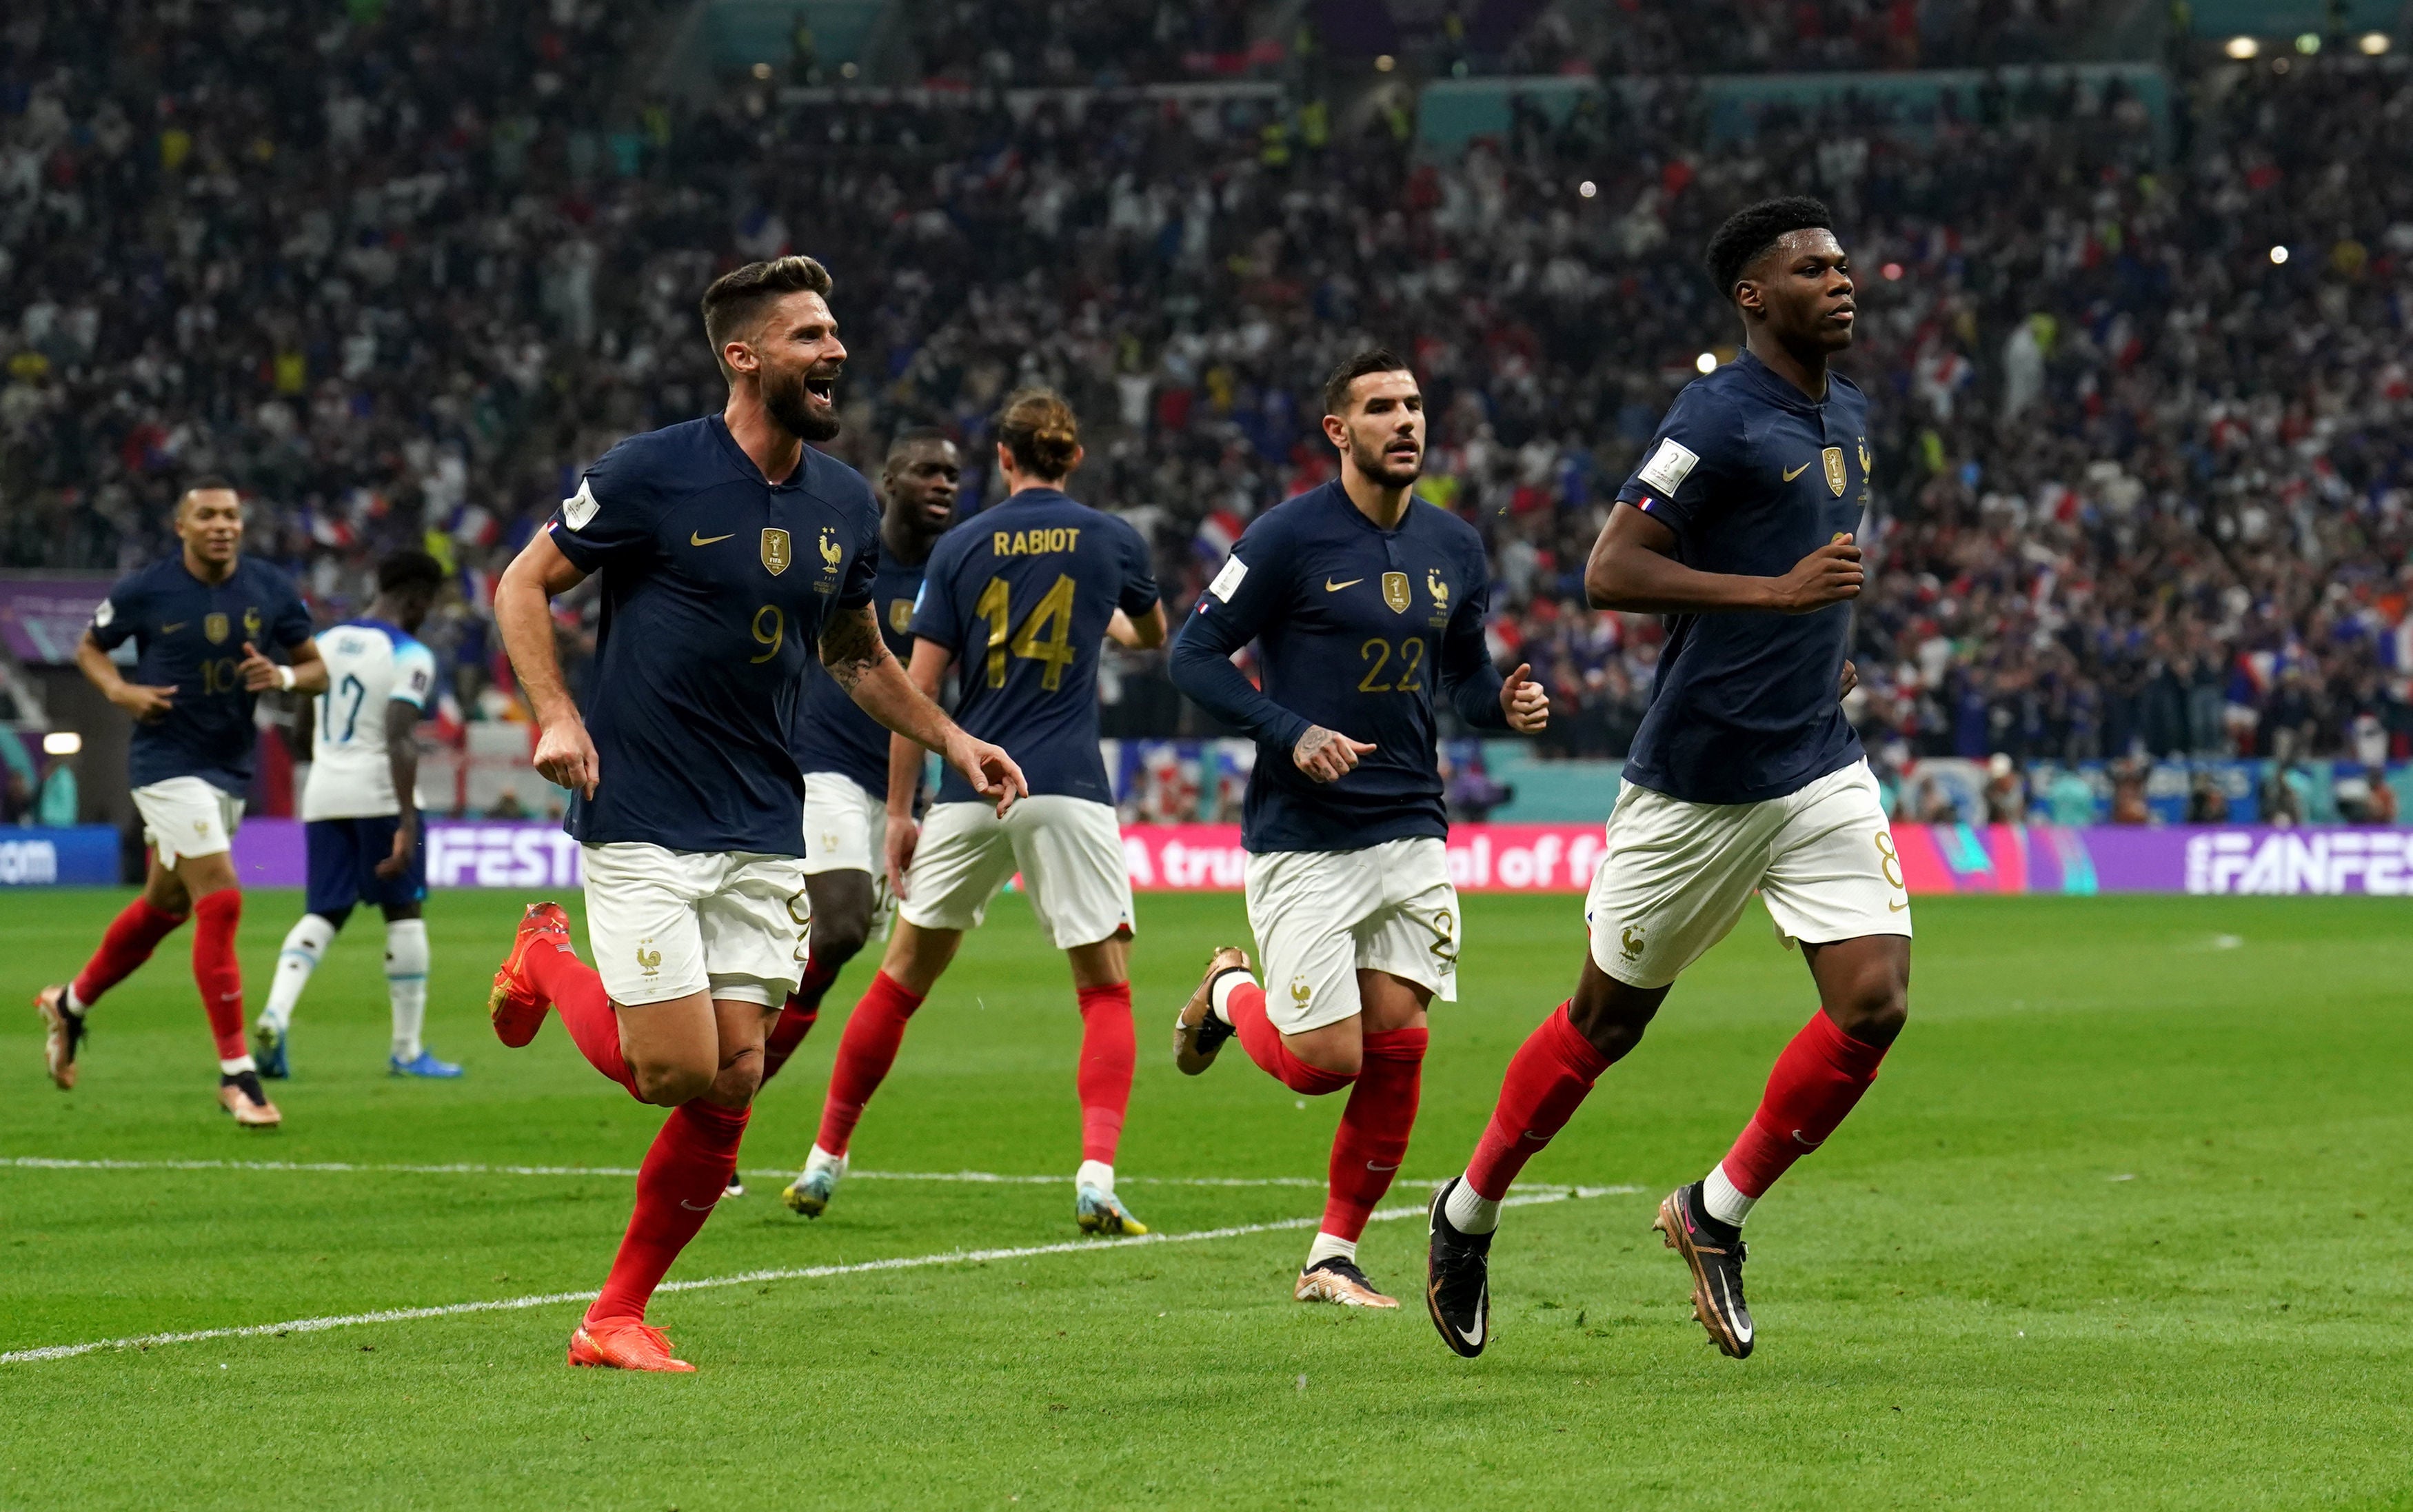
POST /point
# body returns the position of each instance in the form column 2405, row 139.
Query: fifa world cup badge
column 216, row 627
column 777, row 551
column 1833, row 457
column 1395, row 591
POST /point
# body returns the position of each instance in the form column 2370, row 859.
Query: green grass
column 2125, row 1222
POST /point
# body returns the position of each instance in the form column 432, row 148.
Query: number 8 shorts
column 1676, row 875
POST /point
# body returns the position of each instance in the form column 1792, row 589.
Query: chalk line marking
column 750, row 1278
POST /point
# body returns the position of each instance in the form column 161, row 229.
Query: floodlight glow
column 1587, row 188
column 1893, row 271
column 62, row 743
column 1385, row 64
column 2242, row 47
column 761, row 70
column 1706, row 362
column 2372, row 43
column 2278, row 256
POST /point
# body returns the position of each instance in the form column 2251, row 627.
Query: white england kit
column 369, row 664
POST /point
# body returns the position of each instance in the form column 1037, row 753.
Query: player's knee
column 840, row 935
column 1611, row 1017
column 668, row 1083
column 1875, row 1006
column 739, row 1080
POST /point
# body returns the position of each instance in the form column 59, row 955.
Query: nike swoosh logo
column 171, row 630
column 1897, row 907
column 1797, row 472
column 1330, row 587
column 693, row 1208
column 694, row 539
column 1474, row 1335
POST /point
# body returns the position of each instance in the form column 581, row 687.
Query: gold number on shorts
column 1412, row 660
column 772, row 637
column 1445, row 943
column 1890, row 863
column 1045, row 636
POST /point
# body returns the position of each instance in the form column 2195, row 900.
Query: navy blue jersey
column 1752, row 475
column 189, row 633
column 832, row 733
column 1021, row 595
column 716, row 586
column 1356, row 627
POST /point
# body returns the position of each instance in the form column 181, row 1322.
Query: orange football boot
column 624, row 1344
column 514, row 1005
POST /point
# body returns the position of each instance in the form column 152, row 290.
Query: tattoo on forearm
column 851, row 647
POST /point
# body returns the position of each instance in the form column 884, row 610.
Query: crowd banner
column 535, row 856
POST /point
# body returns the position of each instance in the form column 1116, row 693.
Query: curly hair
column 1754, row 229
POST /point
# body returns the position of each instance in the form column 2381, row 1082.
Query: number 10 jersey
column 370, row 665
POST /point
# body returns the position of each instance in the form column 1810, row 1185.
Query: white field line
column 44, row 1163
column 912, row 1262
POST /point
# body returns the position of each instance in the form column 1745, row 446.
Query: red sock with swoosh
column 216, row 971
column 1816, row 1082
column 131, row 937
column 684, row 1175
column 1372, row 1139
column 1549, row 1078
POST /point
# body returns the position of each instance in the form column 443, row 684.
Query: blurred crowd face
column 797, row 360
column 208, row 521
column 1803, row 290
column 921, row 481
column 1382, row 435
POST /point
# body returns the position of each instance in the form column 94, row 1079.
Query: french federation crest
column 1833, row 457
column 832, row 553
column 1395, row 591
column 778, row 551
column 216, row 627
column 1434, row 585
column 900, row 615
column 1864, row 461
column 251, row 622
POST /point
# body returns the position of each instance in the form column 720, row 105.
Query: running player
column 1744, row 775
column 192, row 697
column 728, row 551
column 1023, row 596
column 360, row 813
column 1363, row 606
column 844, row 751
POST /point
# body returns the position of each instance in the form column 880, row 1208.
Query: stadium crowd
column 2139, row 386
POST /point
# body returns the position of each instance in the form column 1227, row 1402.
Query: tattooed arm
column 855, row 656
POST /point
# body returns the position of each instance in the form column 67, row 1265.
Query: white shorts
column 185, row 816
column 664, row 923
column 1070, row 851
column 1323, row 916
column 1676, row 875
column 845, row 828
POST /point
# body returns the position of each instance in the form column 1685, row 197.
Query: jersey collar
column 1348, row 506
column 795, row 480
column 1779, row 389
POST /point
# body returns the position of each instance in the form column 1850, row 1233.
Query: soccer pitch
column 2124, row 1221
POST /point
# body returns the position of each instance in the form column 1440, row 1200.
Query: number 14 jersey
column 370, row 663
column 1022, row 593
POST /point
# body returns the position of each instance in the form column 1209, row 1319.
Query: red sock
column 1548, row 1080
column 1263, row 1043
column 865, row 1053
column 216, row 971
column 1109, row 1050
column 131, row 937
column 1372, row 1139
column 1817, row 1081
column 585, row 1009
column 684, row 1175
column 797, row 1018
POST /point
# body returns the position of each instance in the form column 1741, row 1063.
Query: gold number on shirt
column 1412, row 660
column 220, row 676
column 1889, row 860
column 770, row 630
column 1045, row 635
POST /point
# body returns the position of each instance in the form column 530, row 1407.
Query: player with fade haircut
column 1365, row 607
column 844, row 751
column 1023, row 595
column 360, row 813
column 198, row 621
column 1744, row 776
column 729, row 552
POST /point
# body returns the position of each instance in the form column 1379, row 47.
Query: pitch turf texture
column 2125, row 1222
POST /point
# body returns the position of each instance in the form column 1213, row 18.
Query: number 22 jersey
column 1022, row 593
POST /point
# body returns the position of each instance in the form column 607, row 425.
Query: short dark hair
column 918, row 435
column 208, row 482
column 1041, row 432
column 737, row 299
column 1754, row 229
column 405, row 570
column 1350, row 369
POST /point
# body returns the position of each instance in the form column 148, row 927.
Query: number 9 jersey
column 370, row 665
column 1022, row 594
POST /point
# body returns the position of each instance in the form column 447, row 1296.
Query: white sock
column 405, row 982
column 75, row 1004
column 1470, row 1211
column 1330, row 1247
column 1219, row 997
column 240, row 1063
column 305, row 945
column 1095, row 1174
column 1722, row 1199
column 821, row 1160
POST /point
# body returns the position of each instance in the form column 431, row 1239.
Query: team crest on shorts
column 778, row 551
column 215, row 627
column 1300, row 992
column 900, row 615
column 1629, row 942
column 649, row 961
column 1395, row 591
column 1833, row 458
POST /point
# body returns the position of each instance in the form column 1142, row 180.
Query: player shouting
column 360, row 813
column 729, row 550
column 1023, row 595
column 1744, row 775
column 196, row 620
column 844, row 751
column 1363, row 606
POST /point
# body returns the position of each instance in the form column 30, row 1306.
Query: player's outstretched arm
column 859, row 659
column 1633, row 568
column 524, row 614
